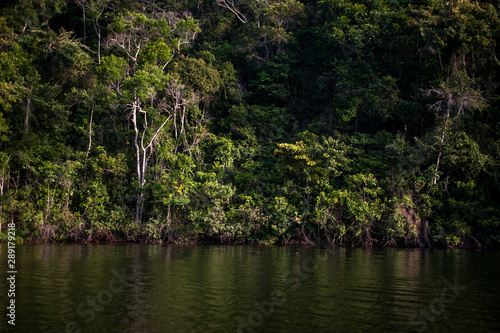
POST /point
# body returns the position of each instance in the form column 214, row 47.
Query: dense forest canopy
column 364, row 122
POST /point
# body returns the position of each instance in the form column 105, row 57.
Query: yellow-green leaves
column 113, row 68
column 313, row 160
column 151, row 39
column 156, row 52
column 145, row 84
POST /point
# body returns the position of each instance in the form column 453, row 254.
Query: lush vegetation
column 364, row 122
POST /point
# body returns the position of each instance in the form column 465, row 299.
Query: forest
column 355, row 123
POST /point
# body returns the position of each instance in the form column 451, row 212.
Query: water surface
column 152, row 288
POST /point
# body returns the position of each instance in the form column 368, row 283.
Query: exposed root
column 47, row 233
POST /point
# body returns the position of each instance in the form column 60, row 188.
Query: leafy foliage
column 369, row 123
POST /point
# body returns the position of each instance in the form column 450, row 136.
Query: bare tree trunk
column 48, row 203
column 140, row 194
column 2, row 180
column 425, row 234
column 143, row 179
column 142, row 156
column 27, row 115
column 139, row 207
column 2, row 184
column 169, row 216
column 267, row 49
column 229, row 4
column 84, row 26
column 97, row 28
column 90, row 132
column 441, row 145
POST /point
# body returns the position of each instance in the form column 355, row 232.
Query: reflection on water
column 151, row 288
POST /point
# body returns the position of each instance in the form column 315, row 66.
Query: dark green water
column 151, row 288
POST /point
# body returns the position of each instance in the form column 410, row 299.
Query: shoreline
column 288, row 243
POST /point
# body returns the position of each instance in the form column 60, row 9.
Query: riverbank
column 108, row 239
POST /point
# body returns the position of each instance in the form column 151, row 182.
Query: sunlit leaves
column 145, row 84
column 113, row 68
column 313, row 160
column 165, row 34
column 203, row 77
column 156, row 52
column 281, row 18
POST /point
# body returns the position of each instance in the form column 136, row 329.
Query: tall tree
column 150, row 43
column 94, row 8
